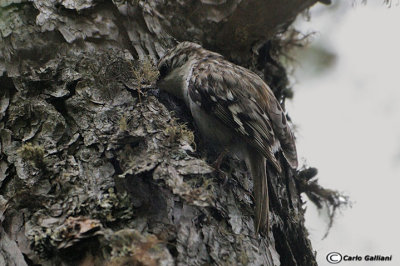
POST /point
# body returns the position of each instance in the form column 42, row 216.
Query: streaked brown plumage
column 234, row 109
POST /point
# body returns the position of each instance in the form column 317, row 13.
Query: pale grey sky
column 348, row 123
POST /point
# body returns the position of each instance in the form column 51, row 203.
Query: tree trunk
column 100, row 168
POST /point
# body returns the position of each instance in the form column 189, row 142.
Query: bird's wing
column 243, row 102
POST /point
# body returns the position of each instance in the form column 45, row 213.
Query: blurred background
column 347, row 113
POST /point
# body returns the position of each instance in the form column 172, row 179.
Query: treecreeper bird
column 234, row 109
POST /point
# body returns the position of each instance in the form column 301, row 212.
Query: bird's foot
column 217, row 163
column 222, row 176
column 217, row 166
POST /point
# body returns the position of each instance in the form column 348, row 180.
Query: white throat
column 177, row 82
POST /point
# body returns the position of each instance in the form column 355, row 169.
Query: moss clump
column 146, row 73
column 179, row 133
column 123, row 124
column 130, row 247
column 32, row 153
column 242, row 35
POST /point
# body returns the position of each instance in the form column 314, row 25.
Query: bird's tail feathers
column 257, row 166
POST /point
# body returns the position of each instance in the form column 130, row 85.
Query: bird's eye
column 163, row 70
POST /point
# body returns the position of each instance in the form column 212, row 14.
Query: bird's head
column 178, row 57
column 175, row 67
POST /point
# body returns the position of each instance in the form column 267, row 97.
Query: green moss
column 32, row 153
column 242, row 35
column 130, row 247
column 180, row 132
column 146, row 73
column 123, row 124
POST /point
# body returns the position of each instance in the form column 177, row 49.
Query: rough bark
column 96, row 168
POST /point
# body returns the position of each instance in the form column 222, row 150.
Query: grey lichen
column 71, row 232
